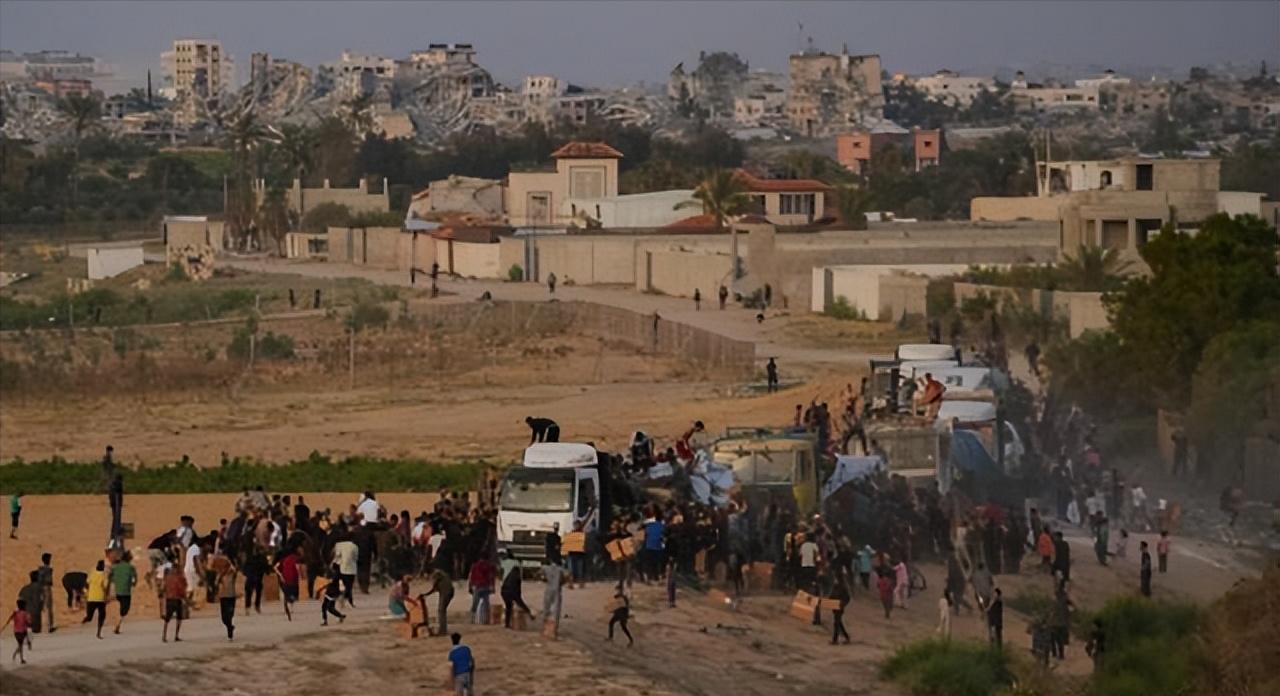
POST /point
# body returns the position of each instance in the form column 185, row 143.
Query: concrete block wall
column 679, row 273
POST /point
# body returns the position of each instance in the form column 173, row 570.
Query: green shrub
column 320, row 218
column 377, row 219
column 949, row 668
column 515, row 274
column 1152, row 647
column 315, row 473
column 841, row 309
column 367, row 314
column 268, row 347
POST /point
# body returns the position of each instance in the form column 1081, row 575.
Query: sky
column 623, row 42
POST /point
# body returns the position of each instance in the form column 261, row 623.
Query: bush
column 841, row 309
column 268, row 347
column 319, row 219
column 515, row 274
column 367, row 314
column 949, row 668
column 315, row 473
column 377, row 219
column 1151, row 648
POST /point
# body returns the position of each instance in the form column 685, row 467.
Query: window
column 1146, row 177
column 586, row 182
column 539, row 208
column 586, row 497
column 796, row 203
column 1104, row 179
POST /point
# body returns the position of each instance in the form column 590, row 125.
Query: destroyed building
column 710, row 87
column 831, row 93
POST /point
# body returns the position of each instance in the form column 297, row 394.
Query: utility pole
column 351, row 358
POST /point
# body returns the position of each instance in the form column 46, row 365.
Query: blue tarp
column 970, row 461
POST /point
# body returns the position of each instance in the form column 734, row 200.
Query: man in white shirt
column 185, row 533
column 808, row 564
column 1139, row 498
column 345, row 555
column 367, row 509
column 193, row 568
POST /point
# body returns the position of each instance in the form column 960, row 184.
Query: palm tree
column 83, row 113
column 244, row 133
column 359, row 114
column 295, row 146
column 853, row 202
column 721, row 195
column 1094, row 269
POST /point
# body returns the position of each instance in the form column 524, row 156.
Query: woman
column 96, row 596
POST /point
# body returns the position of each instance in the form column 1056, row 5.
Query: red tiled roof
column 580, row 150
column 705, row 221
column 755, row 184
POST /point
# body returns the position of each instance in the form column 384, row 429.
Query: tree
column 83, row 113
column 320, row 218
column 1228, row 393
column 1200, row 287
column 358, row 114
column 1093, row 269
column 721, row 195
column 335, row 153
column 273, row 217
column 295, row 146
column 853, row 202
column 244, row 134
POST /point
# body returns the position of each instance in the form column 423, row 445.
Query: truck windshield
column 538, row 490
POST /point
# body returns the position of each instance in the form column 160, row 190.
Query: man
column 808, row 579
column 193, row 567
column 368, row 509
column 15, row 512
column 1139, row 499
column 1061, row 556
column 1144, row 572
column 175, row 596
column 654, row 546
column 840, row 593
column 995, row 620
column 551, row 545
column 123, row 579
column 480, row 582
column 301, row 515
column 1044, row 545
column 115, row 496
column 46, row 583
column 697, row 300
column 185, row 534
column 332, row 591
column 345, row 556
column 442, row 587
column 543, row 429
column 983, row 585
column 512, row 588
column 108, row 467
column 551, row 283
column 933, row 391
column 771, row 372
column 464, row 666
column 551, row 600
column 724, row 295
column 33, row 594
column 1179, row 452
column 865, row 555
column 1033, row 357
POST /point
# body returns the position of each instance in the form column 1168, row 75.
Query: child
column 332, row 591
column 21, row 623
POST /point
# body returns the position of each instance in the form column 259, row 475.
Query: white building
column 1107, row 79
column 948, row 87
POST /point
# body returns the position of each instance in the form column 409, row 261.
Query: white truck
column 557, row 483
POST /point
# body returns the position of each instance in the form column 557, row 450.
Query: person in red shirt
column 885, row 586
column 287, row 570
column 481, row 584
column 175, row 597
column 21, row 624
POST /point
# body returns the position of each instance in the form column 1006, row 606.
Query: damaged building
column 712, row 86
column 830, row 93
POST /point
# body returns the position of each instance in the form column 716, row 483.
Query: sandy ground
column 703, row 648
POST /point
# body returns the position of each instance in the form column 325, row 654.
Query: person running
column 95, row 596
column 255, row 569
column 21, row 621
column 226, row 586
column 619, row 615
column 840, row 593
column 1144, row 570
column 33, row 594
column 15, row 514
column 123, row 579
column 442, row 587
column 287, row 570
column 512, row 588
column 995, row 620
column 332, row 591
column 175, row 597
column 464, row 667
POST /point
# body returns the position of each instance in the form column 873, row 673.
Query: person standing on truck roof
column 544, row 429
column 933, row 391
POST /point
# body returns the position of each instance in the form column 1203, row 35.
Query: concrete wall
column 1005, row 209
column 357, row 199
column 299, row 245
column 902, row 294
column 1235, row 203
column 108, row 262
column 378, row 247
column 679, row 273
column 191, row 234
column 521, row 184
column 882, row 292
column 467, row 259
column 1083, row 311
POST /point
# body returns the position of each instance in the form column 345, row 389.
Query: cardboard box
column 622, row 549
column 574, row 542
column 803, row 606
column 271, row 588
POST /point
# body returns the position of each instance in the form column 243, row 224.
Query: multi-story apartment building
column 197, row 67
column 830, row 93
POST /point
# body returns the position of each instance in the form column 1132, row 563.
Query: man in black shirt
column 544, row 430
column 553, row 545
column 1144, row 573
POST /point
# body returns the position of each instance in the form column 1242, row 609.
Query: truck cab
column 556, row 483
column 772, row 467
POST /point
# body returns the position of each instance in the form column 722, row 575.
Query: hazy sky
column 600, row 43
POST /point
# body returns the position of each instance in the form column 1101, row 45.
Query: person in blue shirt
column 653, row 546
column 464, row 667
